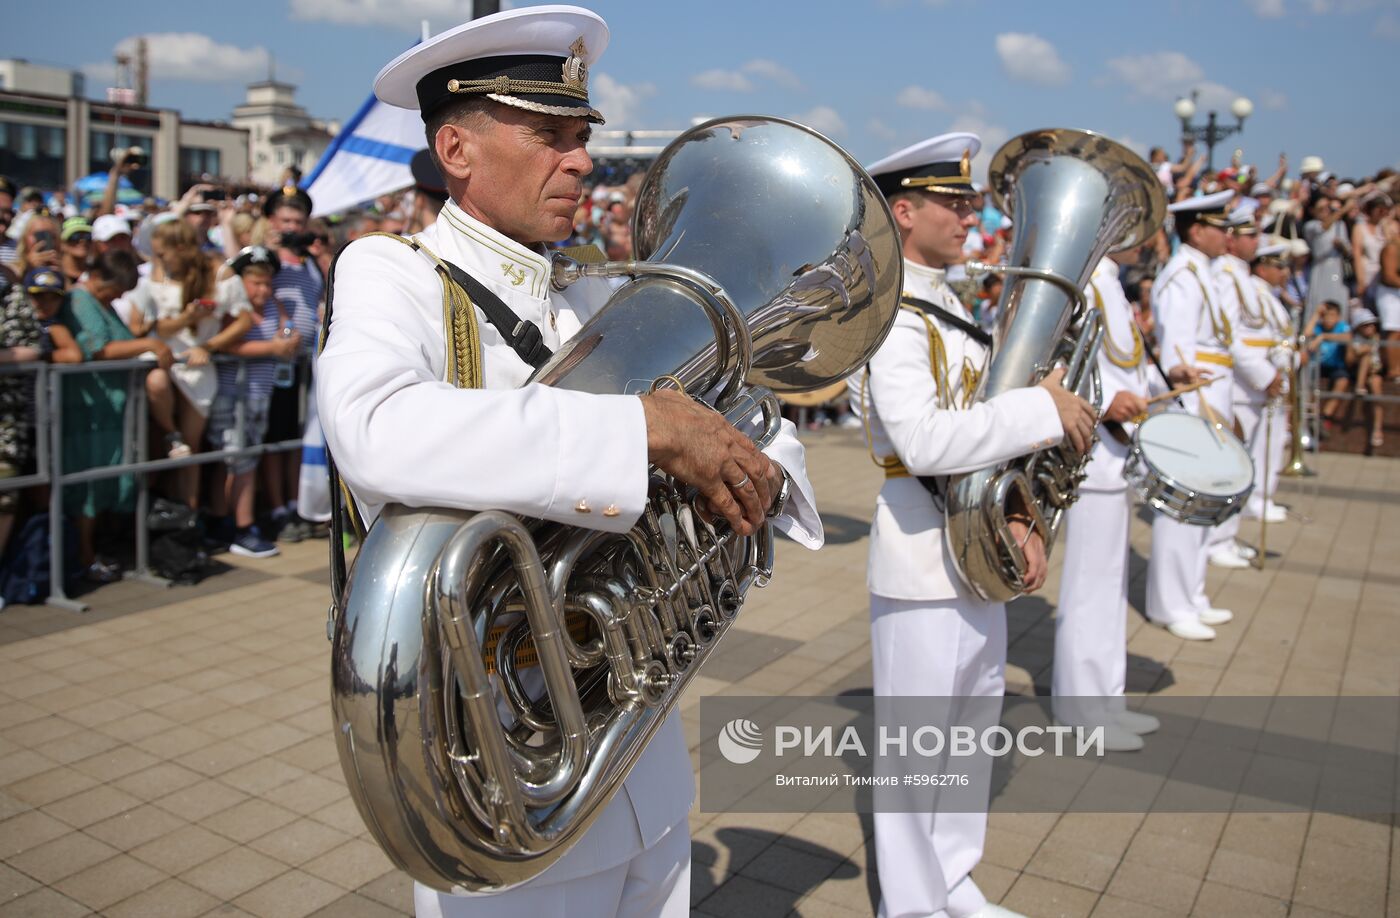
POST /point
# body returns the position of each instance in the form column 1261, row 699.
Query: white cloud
column 1388, row 27
column 823, row 118
column 773, row 72
column 1031, row 59
column 1267, row 9
column 722, row 81
column 993, row 136
column 190, row 56
column 877, row 128
column 403, row 15
column 620, row 103
column 1159, row 75
column 921, row 98
column 1273, row 100
column 1132, row 143
column 1167, row 76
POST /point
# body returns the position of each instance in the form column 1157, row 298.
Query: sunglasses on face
column 79, row 238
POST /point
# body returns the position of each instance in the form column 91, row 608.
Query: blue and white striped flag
column 369, row 157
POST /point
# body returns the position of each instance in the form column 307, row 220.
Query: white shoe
column 1116, row 739
column 1226, row 556
column 1135, row 722
column 1214, row 616
column 1276, row 514
column 1191, row 631
column 1247, row 552
column 995, row 911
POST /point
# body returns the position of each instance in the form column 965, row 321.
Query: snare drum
column 1180, row 465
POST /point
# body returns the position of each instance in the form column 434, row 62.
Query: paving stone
column 43, row 903
column 93, row 805
column 62, row 857
column 232, row 873
column 1164, row 889
column 135, row 827
column 352, row 905
column 294, row 894
column 1036, row 896
column 351, row 865
column 1217, row 901
column 1073, row 865
column 300, row 841
column 110, row 882
column 786, row 867
column 182, row 849
column 29, row 830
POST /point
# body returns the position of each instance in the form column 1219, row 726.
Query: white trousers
column 1091, row 623
column 1176, row 578
column 654, row 884
column 953, row 648
column 1267, row 449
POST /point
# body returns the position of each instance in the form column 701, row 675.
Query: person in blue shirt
column 1328, row 344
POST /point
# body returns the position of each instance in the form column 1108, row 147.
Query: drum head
column 1186, row 449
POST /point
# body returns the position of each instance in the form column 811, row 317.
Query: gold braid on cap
column 503, row 85
column 931, row 182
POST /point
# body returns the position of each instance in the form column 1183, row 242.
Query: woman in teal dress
column 94, row 404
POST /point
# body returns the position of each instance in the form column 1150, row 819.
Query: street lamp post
column 1211, row 132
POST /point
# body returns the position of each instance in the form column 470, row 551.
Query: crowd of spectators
column 220, row 293
column 1343, row 236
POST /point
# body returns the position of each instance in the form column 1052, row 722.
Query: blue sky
column 875, row 75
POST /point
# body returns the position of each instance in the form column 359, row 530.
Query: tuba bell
column 1075, row 196
column 765, row 260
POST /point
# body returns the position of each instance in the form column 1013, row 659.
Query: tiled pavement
column 170, row 753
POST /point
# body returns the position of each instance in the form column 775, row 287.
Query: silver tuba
column 1075, row 196
column 494, row 679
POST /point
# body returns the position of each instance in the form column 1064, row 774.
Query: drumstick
column 1211, row 417
column 1182, row 390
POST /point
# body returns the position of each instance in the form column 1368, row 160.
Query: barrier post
column 58, row 595
column 136, row 401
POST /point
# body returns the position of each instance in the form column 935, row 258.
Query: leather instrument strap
column 943, row 315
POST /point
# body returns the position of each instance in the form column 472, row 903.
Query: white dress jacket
column 905, row 418
column 401, row 434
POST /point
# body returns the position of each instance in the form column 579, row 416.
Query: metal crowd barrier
column 48, row 453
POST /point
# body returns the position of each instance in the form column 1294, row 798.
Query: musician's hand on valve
column 695, row 445
column 1037, row 567
column 1077, row 416
column 1124, row 407
column 1275, row 388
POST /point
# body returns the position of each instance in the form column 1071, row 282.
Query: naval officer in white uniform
column 1091, row 650
column 505, row 102
column 1196, row 331
column 1269, row 448
column 929, row 635
column 1253, row 334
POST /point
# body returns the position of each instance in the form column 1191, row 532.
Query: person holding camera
column 298, row 289
column 38, row 245
column 1328, row 244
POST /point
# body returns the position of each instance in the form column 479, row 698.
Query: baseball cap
column 43, row 280
column 109, row 226
column 74, row 225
